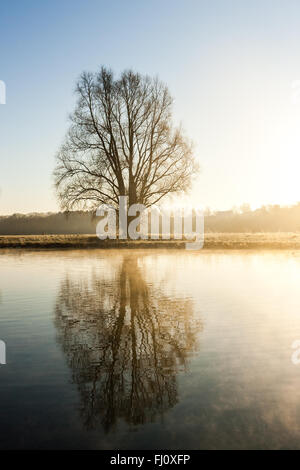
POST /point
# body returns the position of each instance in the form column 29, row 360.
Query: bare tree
column 124, row 345
column 121, row 142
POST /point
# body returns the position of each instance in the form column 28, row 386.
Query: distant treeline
column 266, row 219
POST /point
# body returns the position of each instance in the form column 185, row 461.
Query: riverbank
column 212, row 241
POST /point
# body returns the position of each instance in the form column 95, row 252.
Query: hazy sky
column 230, row 65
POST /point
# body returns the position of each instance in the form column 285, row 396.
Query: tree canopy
column 122, row 142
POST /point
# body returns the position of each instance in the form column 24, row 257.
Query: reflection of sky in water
column 188, row 350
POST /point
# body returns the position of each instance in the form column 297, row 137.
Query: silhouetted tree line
column 265, row 219
column 80, row 222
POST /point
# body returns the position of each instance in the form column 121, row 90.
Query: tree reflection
column 125, row 341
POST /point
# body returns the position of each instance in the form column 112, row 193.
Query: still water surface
column 149, row 349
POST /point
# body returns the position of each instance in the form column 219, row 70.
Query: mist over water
column 149, row 349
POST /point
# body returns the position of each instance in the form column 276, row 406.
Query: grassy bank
column 212, row 241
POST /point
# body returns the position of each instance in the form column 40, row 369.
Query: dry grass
column 212, row 241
